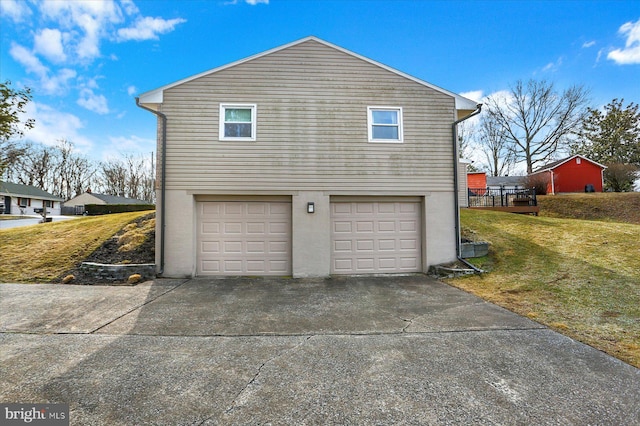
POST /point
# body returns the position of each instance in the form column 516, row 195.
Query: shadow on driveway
column 286, row 351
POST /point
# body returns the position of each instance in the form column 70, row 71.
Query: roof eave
column 153, row 98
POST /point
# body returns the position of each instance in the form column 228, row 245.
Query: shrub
column 538, row 182
column 96, row 209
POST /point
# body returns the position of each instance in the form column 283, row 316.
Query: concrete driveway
column 393, row 350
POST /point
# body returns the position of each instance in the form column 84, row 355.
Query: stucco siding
column 311, row 128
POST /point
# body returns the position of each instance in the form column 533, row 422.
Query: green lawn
column 579, row 277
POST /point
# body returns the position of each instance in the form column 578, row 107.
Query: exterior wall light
column 311, row 208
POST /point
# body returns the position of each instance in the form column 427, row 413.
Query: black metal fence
column 491, row 197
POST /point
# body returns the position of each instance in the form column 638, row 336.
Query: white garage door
column 244, row 238
column 375, row 237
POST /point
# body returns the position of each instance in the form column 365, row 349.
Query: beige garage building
column 305, row 160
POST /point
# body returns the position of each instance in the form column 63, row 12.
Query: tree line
column 59, row 169
column 534, row 124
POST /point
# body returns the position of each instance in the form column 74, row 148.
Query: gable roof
column 153, row 98
column 26, row 191
column 505, row 180
column 114, row 199
column 558, row 163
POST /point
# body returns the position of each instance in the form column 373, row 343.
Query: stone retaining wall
column 110, row 272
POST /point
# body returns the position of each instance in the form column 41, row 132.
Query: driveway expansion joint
column 135, row 308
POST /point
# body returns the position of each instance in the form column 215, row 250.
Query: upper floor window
column 385, row 124
column 238, row 122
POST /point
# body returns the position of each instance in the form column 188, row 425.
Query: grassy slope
column 41, row 253
column 579, row 277
column 608, row 206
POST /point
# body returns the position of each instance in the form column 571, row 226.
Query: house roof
column 25, row 191
column 505, row 180
column 558, row 163
column 114, row 199
column 153, row 98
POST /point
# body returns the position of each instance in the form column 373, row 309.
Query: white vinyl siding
column 384, row 124
column 237, row 122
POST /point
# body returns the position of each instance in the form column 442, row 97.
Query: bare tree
column 537, row 120
column 492, row 141
column 130, row 176
column 113, row 178
column 35, row 167
column 72, row 172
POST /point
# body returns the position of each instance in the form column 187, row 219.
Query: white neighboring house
column 89, row 197
column 506, row 182
column 17, row 199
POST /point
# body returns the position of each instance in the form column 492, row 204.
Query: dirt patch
column 133, row 244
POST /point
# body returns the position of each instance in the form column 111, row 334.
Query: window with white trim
column 385, row 124
column 237, row 122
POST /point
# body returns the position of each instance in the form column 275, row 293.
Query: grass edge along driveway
column 43, row 252
column 581, row 278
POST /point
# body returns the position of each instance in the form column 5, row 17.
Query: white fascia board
column 154, row 97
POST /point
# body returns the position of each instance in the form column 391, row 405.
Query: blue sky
column 86, row 60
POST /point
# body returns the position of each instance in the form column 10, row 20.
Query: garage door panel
column 408, row 244
column 364, row 226
column 210, row 266
column 342, row 245
column 256, row 228
column 371, row 237
column 238, row 238
column 386, row 226
column 232, row 209
column 340, row 226
column 387, row 264
column 365, row 245
column 387, row 245
column 408, row 226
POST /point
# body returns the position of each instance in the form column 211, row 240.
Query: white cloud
column 129, row 7
column 96, row 103
column 17, row 10
column 88, row 21
column 119, row 145
column 53, row 125
column 588, row 44
column 58, row 83
column 132, row 90
column 474, row 95
column 148, row 28
column 630, row 54
column 251, row 2
column 553, row 66
column 27, row 59
column 48, row 43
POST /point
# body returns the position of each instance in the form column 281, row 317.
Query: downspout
column 163, row 175
column 456, row 190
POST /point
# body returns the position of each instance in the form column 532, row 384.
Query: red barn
column 573, row 174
